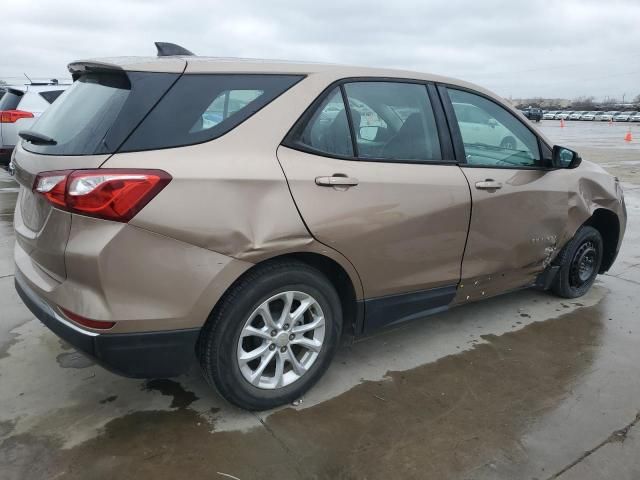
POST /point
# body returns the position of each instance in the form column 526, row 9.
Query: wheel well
column 351, row 312
column 607, row 223
column 340, row 280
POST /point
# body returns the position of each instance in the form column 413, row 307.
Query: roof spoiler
column 166, row 49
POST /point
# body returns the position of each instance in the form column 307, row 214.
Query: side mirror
column 493, row 123
column 563, row 157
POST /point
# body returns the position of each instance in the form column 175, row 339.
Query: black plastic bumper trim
column 158, row 354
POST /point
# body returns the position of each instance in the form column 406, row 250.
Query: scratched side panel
column 517, row 231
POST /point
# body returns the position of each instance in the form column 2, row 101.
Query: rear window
column 201, row 107
column 98, row 112
column 103, row 113
column 10, row 99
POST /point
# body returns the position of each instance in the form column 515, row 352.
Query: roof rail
column 166, row 49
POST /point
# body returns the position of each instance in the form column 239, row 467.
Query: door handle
column 336, row 181
column 488, row 184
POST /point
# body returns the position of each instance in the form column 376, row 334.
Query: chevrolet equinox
column 246, row 214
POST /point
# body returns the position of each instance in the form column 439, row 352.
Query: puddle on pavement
column 438, row 420
column 73, row 360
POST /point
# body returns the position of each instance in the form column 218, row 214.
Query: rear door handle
column 488, row 184
column 337, row 181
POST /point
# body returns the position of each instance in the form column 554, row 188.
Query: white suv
column 20, row 106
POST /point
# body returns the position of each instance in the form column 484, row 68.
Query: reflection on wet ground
column 434, row 421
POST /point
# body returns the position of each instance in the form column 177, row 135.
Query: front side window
column 393, row 121
column 492, row 136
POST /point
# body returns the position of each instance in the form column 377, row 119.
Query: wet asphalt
column 523, row 386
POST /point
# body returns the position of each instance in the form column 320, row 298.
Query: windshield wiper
column 36, row 138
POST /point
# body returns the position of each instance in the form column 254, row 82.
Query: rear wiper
column 36, row 138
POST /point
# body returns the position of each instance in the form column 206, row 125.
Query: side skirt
column 393, row 309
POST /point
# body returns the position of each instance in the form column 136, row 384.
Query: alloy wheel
column 281, row 340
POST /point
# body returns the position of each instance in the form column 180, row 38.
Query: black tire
column 508, row 143
column 218, row 344
column 579, row 262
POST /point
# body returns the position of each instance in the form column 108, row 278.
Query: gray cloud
column 547, row 48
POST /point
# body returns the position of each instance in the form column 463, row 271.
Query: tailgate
column 81, row 130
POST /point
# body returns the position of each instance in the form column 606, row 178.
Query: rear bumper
column 139, row 355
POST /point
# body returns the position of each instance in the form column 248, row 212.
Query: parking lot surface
column 523, row 386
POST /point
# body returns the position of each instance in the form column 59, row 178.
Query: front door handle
column 336, row 181
column 488, row 184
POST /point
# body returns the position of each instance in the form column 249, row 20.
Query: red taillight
column 111, row 194
column 12, row 116
column 86, row 322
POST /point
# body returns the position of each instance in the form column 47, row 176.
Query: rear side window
column 98, row 112
column 51, row 95
column 203, row 107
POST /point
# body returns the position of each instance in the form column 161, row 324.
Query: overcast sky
column 517, row 48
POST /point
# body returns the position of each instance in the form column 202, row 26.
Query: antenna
column 30, row 81
column 166, row 49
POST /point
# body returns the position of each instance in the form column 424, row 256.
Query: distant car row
column 614, row 116
column 20, row 106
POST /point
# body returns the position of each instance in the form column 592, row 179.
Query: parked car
column 550, row 115
column 564, row 115
column 20, row 106
column 623, row 116
column 533, row 114
column 608, row 116
column 635, row 118
column 576, row 115
column 328, row 201
column 588, row 116
column 598, row 116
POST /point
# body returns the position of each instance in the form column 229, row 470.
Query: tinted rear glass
column 10, row 99
column 99, row 111
column 199, row 108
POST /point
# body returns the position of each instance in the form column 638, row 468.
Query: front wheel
column 579, row 262
column 272, row 336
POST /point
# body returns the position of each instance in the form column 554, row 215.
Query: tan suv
column 248, row 214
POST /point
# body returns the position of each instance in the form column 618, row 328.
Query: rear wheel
column 272, row 336
column 579, row 263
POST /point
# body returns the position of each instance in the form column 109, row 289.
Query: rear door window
column 327, row 131
column 393, row 121
column 202, row 107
